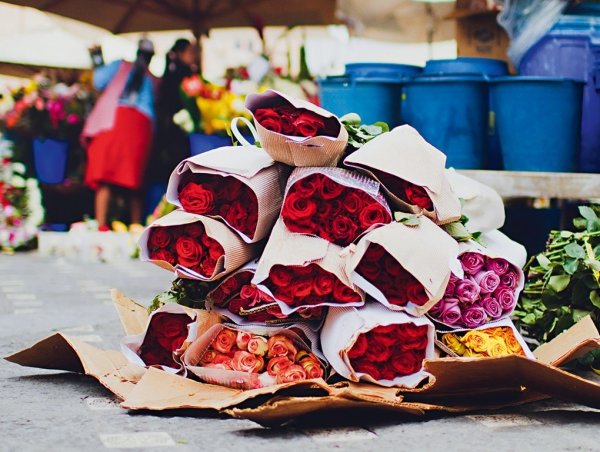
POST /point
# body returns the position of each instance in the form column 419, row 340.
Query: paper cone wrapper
column 301, row 336
column 481, row 204
column 342, row 327
column 343, row 177
column 499, row 323
column 237, row 252
column 425, row 251
column 131, row 345
column 250, row 165
column 289, row 249
column 297, row 151
column 405, row 154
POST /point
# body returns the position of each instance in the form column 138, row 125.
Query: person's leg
column 102, row 202
column 136, row 206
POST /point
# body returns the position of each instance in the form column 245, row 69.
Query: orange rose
column 258, row 345
column 276, row 365
column 513, row 344
column 209, row 357
column 224, row 341
column 222, row 359
column 312, row 368
column 243, row 337
column 291, row 374
column 280, row 345
column 477, row 341
column 247, row 362
column 497, row 347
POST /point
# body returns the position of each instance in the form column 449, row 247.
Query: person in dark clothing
column 171, row 143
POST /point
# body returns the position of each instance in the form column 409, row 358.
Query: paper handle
column 238, row 135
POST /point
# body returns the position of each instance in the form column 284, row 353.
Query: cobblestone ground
column 56, row 411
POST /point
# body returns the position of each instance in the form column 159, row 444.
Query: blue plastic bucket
column 571, row 49
column 488, row 67
column 201, row 142
column 538, row 121
column 372, row 99
column 388, row 71
column 451, row 113
column 50, row 160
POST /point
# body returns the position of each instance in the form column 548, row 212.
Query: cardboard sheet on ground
column 457, row 385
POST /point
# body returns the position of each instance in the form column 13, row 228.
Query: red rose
column 207, row 268
column 336, row 207
column 370, row 271
column 372, row 214
column 194, row 230
column 378, row 352
column 387, row 339
column 285, row 294
column 302, row 289
column 415, row 292
column 189, row 252
column 392, row 266
column 307, row 270
column 308, row 124
column 259, row 317
column 196, row 198
column 297, row 208
column 374, row 252
column 307, row 186
column 409, row 332
column 386, row 329
column 366, row 367
column 269, row 119
column 215, row 251
column 163, row 255
column 407, row 363
column 170, row 329
column 417, row 196
column 330, row 189
column 323, row 284
column 344, row 294
column 418, row 344
column 230, row 189
column 359, row 348
column 353, row 203
column 159, row 238
column 388, row 372
column 280, row 276
column 324, row 210
column 343, row 230
column 236, row 305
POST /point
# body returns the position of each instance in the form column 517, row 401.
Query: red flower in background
column 224, row 196
column 406, row 191
column 320, row 206
column 383, row 271
column 166, row 333
column 298, row 122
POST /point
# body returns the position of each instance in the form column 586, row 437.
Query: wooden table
column 526, row 184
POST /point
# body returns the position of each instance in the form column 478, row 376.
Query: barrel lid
column 381, row 71
column 436, row 78
column 467, row 65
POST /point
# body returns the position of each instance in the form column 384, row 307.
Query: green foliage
column 185, row 292
column 359, row 134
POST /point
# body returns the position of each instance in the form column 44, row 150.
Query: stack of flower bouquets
column 321, row 266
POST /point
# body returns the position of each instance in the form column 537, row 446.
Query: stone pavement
column 53, row 411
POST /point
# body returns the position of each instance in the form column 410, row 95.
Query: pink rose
column 247, row 362
column 510, row 279
column 499, row 266
column 492, row 307
column 474, row 316
column 224, row 341
column 488, row 281
column 291, row 374
column 472, row 262
column 258, row 345
column 451, row 287
column 506, row 298
column 243, row 337
column 278, row 364
column 467, row 291
column 450, row 311
column 280, row 345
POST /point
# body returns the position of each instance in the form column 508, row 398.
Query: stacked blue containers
column 373, row 90
column 571, row 49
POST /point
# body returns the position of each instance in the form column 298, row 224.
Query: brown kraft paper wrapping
column 251, row 166
column 404, row 153
column 237, row 252
column 425, row 251
column 297, row 151
column 288, row 249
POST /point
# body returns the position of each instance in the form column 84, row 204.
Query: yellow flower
column 472, row 354
column 454, row 344
column 497, row 347
column 476, row 340
column 118, row 226
column 512, row 343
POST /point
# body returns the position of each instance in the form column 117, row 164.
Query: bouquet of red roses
column 300, row 271
column 411, row 172
column 296, row 132
column 240, row 185
column 244, row 303
column 332, row 203
column 254, row 357
column 193, row 246
column 168, row 329
column 404, row 267
column 486, row 291
column 377, row 345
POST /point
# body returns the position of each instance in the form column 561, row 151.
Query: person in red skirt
column 119, row 132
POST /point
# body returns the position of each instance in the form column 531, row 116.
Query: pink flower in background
column 73, row 119
column 499, row 266
column 472, row 262
column 451, row 287
column 467, row 291
column 488, row 281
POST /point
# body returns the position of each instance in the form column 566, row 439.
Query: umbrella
column 130, row 16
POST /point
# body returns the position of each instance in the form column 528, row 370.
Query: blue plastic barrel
column 451, row 113
column 50, row 160
column 201, row 142
column 371, row 98
column 387, row 71
column 538, row 121
column 571, row 49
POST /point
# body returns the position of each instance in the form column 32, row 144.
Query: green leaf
column 408, row 219
column 558, row 283
column 458, row 231
column 595, row 298
column 543, row 261
column 593, row 264
column 588, row 213
column 384, row 126
column 552, row 300
column 570, row 266
column 565, row 234
column 575, row 250
column 579, row 314
column 351, row 119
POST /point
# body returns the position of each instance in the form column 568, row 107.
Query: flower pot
column 50, row 160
